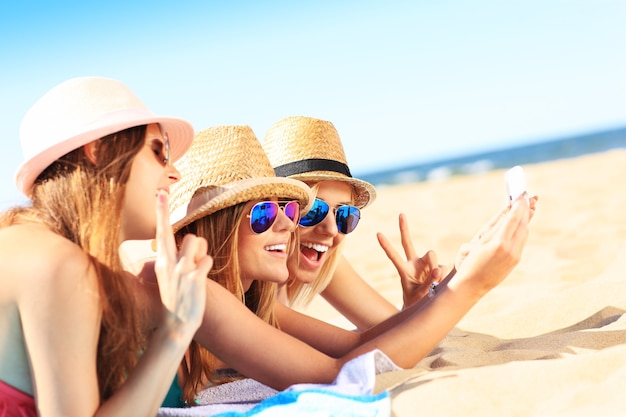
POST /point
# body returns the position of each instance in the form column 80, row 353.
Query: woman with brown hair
column 73, row 339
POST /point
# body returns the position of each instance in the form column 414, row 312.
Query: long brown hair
column 221, row 230
column 83, row 202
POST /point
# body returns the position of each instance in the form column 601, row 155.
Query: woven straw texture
column 298, row 138
column 225, row 166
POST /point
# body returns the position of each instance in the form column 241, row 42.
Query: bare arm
column 353, row 297
column 234, row 334
column 61, row 322
column 181, row 276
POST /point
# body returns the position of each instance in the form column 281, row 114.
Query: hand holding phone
column 515, row 183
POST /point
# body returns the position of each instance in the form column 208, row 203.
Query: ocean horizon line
column 500, row 158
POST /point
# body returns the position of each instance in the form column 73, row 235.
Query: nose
column 328, row 226
column 283, row 222
column 172, row 173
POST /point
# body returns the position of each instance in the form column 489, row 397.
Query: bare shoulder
column 32, row 256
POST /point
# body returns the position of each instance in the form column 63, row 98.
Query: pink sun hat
column 79, row 111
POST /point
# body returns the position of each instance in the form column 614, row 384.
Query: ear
column 91, row 150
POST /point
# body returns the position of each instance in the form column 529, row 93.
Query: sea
column 439, row 169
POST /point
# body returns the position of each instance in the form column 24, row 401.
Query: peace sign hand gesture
column 181, row 275
column 416, row 273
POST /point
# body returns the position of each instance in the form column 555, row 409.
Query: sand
column 548, row 341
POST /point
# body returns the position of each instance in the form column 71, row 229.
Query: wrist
column 468, row 287
column 174, row 331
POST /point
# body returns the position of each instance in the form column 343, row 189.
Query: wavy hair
column 83, row 202
column 221, row 230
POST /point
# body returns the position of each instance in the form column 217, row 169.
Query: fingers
column 430, row 260
column 193, row 256
column 522, row 212
column 189, row 278
column 181, row 275
column 391, row 253
column 514, row 228
column 405, row 235
column 191, row 294
column 166, row 247
column 488, row 230
column 532, row 202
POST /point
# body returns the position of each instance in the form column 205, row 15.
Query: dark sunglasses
column 263, row 215
column 347, row 217
column 167, row 158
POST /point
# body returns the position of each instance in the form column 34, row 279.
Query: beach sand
column 548, row 341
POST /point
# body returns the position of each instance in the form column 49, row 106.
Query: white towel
column 349, row 395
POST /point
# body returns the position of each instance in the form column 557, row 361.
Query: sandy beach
column 551, row 339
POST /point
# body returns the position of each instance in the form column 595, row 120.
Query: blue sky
column 403, row 81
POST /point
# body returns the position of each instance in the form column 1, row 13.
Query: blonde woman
column 232, row 198
column 310, row 150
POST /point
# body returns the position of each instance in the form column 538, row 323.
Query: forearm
column 254, row 348
column 328, row 339
column 355, row 299
column 421, row 329
column 403, row 315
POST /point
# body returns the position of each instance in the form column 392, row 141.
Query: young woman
column 310, row 150
column 72, row 339
column 229, row 176
column 232, row 198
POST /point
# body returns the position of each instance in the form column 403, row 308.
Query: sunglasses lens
column 262, row 216
column 292, row 210
column 347, row 218
column 317, row 213
column 168, row 158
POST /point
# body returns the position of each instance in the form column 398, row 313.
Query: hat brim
column 206, row 203
column 365, row 193
column 180, row 133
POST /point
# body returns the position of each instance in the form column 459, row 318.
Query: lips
column 313, row 253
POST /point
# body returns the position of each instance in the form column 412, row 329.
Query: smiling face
column 149, row 172
column 263, row 256
column 317, row 242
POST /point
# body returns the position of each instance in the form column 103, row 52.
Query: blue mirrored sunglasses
column 347, row 217
column 263, row 215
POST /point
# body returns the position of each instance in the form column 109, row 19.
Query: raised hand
column 497, row 247
column 416, row 273
column 488, row 230
column 181, row 275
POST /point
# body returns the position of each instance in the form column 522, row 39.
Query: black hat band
column 308, row 165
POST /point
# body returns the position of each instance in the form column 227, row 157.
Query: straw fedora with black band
column 225, row 166
column 310, row 149
column 79, row 111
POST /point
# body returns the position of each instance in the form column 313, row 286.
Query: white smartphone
column 515, row 182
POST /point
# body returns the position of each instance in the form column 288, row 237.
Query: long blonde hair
column 300, row 294
column 83, row 202
column 221, row 230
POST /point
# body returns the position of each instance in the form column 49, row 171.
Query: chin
column 307, row 277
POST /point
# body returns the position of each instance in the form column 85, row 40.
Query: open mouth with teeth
column 313, row 252
column 280, row 248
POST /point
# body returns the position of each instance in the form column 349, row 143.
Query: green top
column 174, row 396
